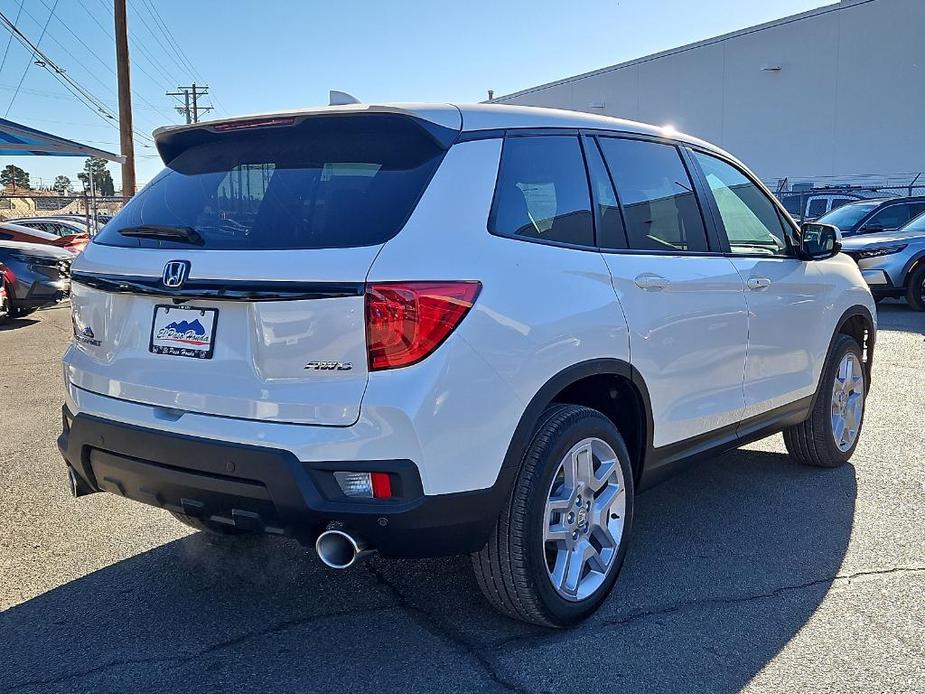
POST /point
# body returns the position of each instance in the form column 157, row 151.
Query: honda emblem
column 175, row 273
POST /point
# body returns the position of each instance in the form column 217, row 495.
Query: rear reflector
column 365, row 485
column 406, row 321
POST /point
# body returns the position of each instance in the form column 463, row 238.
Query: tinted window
column 750, row 218
column 659, row 207
column 891, row 217
column 817, row 207
column 542, row 191
column 328, row 182
column 610, row 232
column 793, row 204
column 917, row 224
column 838, row 202
column 847, row 216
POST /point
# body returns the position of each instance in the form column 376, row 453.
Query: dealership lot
column 745, row 571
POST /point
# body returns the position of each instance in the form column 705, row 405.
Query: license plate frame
column 190, row 343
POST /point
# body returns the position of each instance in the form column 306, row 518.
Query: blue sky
column 279, row 54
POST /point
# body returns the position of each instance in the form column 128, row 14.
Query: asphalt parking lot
column 744, row 572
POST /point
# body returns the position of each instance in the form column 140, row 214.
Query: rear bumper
column 270, row 490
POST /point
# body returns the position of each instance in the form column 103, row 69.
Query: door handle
column 758, row 283
column 651, row 282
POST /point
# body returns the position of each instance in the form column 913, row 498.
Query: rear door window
column 542, row 191
column 327, row 182
column 891, row 217
column 660, row 209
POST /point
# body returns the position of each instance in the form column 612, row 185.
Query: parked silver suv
column 893, row 262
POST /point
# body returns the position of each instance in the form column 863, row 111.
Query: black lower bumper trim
column 270, row 490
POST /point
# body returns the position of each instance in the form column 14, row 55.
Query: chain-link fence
column 92, row 211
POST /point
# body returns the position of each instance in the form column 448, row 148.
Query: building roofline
column 825, row 9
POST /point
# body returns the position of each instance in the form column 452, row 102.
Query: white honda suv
column 436, row 329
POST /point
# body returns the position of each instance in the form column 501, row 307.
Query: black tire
column 813, row 442
column 511, row 568
column 915, row 290
column 209, row 526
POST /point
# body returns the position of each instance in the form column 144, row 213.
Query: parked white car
column 435, row 329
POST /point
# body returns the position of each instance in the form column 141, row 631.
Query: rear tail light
column 406, row 321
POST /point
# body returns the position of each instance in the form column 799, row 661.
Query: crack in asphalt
column 185, row 658
column 434, row 625
column 702, row 602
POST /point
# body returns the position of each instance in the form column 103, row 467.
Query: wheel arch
column 611, row 386
column 858, row 322
column 911, row 266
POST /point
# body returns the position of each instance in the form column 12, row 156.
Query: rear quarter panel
column 541, row 309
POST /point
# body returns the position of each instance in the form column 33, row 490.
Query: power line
column 62, row 97
column 98, row 58
column 171, row 38
column 23, row 77
column 10, row 42
column 165, row 30
column 96, row 105
column 139, row 44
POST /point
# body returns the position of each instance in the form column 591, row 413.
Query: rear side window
column 659, row 207
column 542, row 191
column 327, row 182
column 891, row 217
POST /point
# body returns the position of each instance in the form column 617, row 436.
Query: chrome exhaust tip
column 341, row 550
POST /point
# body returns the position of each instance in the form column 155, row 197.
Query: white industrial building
column 833, row 95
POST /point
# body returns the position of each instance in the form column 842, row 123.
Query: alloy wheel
column 584, row 519
column 847, row 401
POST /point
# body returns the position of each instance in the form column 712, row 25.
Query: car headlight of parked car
column 877, row 252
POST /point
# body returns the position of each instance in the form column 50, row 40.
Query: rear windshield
column 328, row 182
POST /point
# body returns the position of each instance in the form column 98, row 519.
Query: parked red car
column 15, row 232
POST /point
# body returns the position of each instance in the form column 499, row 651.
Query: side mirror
column 872, row 229
column 820, row 241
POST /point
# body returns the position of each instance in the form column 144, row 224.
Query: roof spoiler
column 442, row 126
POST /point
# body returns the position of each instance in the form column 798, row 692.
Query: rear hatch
column 233, row 284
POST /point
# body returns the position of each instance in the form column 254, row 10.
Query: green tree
column 61, row 185
column 13, row 176
column 102, row 179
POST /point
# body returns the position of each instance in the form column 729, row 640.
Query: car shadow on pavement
column 17, row 323
column 728, row 561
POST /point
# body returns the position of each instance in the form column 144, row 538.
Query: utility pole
column 125, row 99
column 191, row 108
